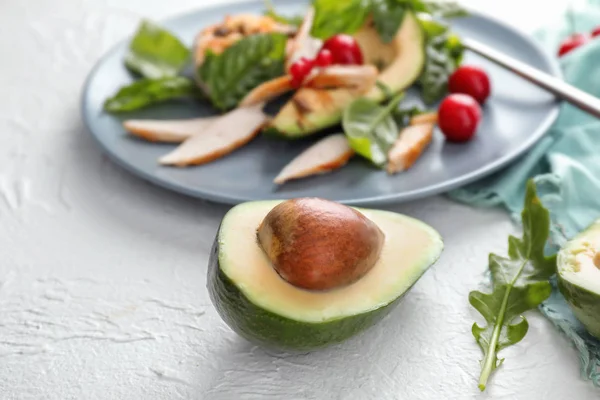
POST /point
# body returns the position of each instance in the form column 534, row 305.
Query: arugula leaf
column 444, row 53
column 156, row 53
column 335, row 16
column 251, row 61
column 520, row 283
column 387, row 17
column 293, row 21
column 370, row 128
column 147, row 91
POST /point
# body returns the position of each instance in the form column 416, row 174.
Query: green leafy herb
column 439, row 9
column 335, row 16
column 520, row 283
column 146, row 92
column 444, row 53
column 385, row 89
column 156, row 53
column 371, row 128
column 445, row 9
column 348, row 16
column 293, row 21
column 403, row 116
column 251, row 61
column 387, row 17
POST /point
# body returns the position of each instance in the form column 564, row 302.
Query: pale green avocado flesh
column 579, row 277
column 260, row 306
column 311, row 110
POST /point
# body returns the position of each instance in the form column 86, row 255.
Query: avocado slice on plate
column 579, row 277
column 303, row 274
column 402, row 60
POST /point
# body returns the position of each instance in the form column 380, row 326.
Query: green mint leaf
column 444, row 53
column 156, row 53
column 335, row 16
column 520, row 283
column 251, row 61
column 282, row 19
column 387, row 17
column 147, row 92
column 371, row 129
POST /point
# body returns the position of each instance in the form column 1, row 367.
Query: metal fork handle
column 554, row 85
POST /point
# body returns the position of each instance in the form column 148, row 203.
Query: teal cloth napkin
column 566, row 167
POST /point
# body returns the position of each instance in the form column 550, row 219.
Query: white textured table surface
column 102, row 278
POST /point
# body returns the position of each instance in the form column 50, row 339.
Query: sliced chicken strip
column 326, row 155
column 356, row 77
column 167, row 131
column 227, row 133
column 409, row 146
column 303, row 44
column 427, row 118
column 361, row 77
column 268, row 91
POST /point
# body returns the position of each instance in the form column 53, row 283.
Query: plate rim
column 377, row 200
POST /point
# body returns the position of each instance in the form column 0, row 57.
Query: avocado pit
column 316, row 244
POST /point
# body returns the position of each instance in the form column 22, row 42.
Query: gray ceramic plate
column 517, row 115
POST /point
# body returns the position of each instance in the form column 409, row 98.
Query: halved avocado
column 258, row 304
column 579, row 277
column 311, row 110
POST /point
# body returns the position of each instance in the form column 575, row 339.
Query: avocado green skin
column 275, row 331
column 584, row 304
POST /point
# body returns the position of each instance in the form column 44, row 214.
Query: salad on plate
column 338, row 73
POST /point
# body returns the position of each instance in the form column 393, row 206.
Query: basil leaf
column 156, row 53
column 370, row 128
column 249, row 62
column 147, row 91
column 444, row 53
column 403, row 116
column 293, row 21
column 520, row 283
column 335, row 16
column 387, row 17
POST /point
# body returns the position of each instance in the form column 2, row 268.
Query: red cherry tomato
column 572, row 42
column 596, row 32
column 324, row 58
column 300, row 70
column 458, row 117
column 344, row 49
column 470, row 80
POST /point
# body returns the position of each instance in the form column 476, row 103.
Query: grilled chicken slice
column 326, row 155
column 361, row 77
column 268, row 91
column 303, row 44
column 427, row 118
column 227, row 133
column 167, row 131
column 409, row 146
